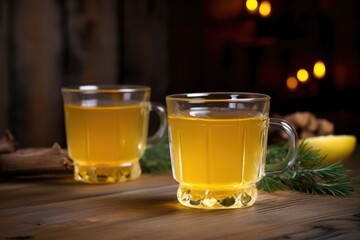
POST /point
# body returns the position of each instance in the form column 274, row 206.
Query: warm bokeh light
column 302, row 75
column 319, row 69
column 251, row 5
column 291, row 83
column 265, row 9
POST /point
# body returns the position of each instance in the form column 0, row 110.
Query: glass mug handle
column 159, row 135
column 291, row 155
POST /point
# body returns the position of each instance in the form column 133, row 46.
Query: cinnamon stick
column 35, row 161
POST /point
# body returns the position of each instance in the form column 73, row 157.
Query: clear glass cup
column 218, row 144
column 107, row 130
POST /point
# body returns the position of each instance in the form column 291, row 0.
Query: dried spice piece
column 7, row 143
column 308, row 125
column 31, row 161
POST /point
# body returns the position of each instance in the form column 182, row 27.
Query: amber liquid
column 106, row 141
column 216, row 155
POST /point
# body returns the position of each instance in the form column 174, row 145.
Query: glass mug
column 218, row 144
column 107, row 130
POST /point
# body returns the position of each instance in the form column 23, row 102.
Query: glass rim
column 106, row 88
column 219, row 97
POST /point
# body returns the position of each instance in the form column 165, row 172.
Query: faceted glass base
column 107, row 174
column 207, row 198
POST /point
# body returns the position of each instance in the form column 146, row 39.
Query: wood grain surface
column 48, row 44
column 59, row 208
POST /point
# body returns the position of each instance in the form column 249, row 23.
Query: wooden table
column 59, row 208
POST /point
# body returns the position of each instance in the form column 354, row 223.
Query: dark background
column 175, row 46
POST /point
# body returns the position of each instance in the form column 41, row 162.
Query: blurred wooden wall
column 47, row 44
column 173, row 46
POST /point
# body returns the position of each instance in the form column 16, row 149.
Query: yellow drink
column 218, row 154
column 108, row 138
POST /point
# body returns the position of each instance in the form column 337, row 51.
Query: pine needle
column 156, row 159
column 309, row 174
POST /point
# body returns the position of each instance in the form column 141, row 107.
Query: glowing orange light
column 319, row 69
column 251, row 5
column 265, row 8
column 291, row 83
column 302, row 75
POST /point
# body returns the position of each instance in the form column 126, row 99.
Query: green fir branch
column 156, row 159
column 309, row 174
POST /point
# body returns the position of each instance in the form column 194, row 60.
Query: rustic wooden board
column 47, row 44
column 92, row 42
column 147, row 208
column 4, row 61
column 145, row 45
column 44, row 45
column 36, row 79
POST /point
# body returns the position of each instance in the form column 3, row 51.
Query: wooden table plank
column 147, row 208
column 59, row 208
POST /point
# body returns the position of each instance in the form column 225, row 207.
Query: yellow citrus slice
column 335, row 147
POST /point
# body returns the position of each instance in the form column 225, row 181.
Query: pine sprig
column 156, row 159
column 309, row 173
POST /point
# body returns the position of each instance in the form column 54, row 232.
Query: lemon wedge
column 334, row 147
